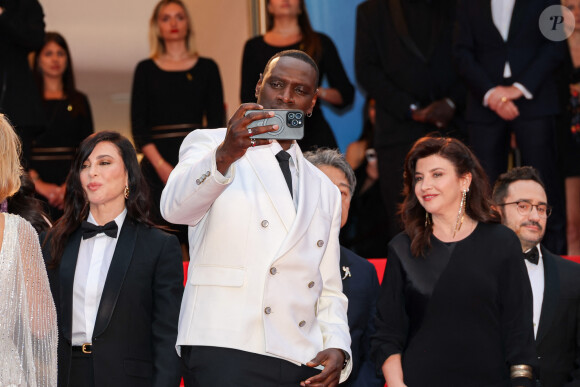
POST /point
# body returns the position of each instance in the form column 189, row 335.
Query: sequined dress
column 28, row 330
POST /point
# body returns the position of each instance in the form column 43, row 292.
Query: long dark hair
column 478, row 206
column 310, row 40
column 25, row 204
column 76, row 206
column 68, row 79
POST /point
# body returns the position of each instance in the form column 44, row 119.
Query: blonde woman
column 174, row 92
column 28, row 330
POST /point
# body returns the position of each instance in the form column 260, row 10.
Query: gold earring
column 427, row 219
column 461, row 213
column 126, row 192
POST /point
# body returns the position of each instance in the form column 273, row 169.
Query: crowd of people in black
column 462, row 96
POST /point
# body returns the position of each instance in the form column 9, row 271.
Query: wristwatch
column 346, row 358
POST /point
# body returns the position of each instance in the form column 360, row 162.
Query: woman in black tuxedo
column 117, row 287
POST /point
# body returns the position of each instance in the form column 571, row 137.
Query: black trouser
column 81, row 370
column 225, row 367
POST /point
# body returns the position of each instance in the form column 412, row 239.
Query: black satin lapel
column 116, row 275
column 400, row 24
column 551, row 294
column 67, row 268
column 517, row 17
column 487, row 18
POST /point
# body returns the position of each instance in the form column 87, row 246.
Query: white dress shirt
column 501, row 12
column 94, row 260
column 536, row 274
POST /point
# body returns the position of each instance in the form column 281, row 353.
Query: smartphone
column 290, row 124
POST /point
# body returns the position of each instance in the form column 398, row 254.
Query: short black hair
column 500, row 189
column 297, row 54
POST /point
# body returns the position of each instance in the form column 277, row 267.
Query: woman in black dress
column 174, row 92
column 455, row 307
column 69, row 121
column 288, row 28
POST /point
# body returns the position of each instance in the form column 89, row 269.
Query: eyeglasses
column 525, row 208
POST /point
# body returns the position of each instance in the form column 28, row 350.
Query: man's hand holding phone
column 238, row 136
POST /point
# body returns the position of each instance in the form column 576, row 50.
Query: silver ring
column 250, row 130
column 252, row 142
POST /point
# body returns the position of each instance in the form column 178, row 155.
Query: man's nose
column 286, row 96
column 534, row 214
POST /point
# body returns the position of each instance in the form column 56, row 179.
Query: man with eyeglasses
column 521, row 199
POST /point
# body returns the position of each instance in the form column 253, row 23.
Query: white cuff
column 486, row 96
column 523, row 89
column 217, row 175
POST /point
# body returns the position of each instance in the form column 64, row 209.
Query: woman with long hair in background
column 174, row 92
column 288, row 28
column 68, row 121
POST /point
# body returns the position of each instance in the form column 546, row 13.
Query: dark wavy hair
column 478, row 206
column 28, row 206
column 68, row 79
column 76, row 206
column 310, row 40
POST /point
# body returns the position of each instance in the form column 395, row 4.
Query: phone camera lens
column 298, row 116
column 294, row 122
column 290, row 115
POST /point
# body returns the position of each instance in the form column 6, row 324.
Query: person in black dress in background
column 175, row 91
column 455, row 307
column 288, row 28
column 68, row 121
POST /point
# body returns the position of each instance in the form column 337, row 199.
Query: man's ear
column 313, row 102
column 259, row 86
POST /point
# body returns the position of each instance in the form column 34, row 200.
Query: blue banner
column 337, row 19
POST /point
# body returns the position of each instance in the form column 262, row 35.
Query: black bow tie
column 90, row 230
column 533, row 256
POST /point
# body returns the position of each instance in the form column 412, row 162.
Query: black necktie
column 533, row 256
column 90, row 230
column 283, row 159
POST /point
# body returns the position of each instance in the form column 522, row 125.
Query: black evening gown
column 166, row 106
column 68, row 123
column 461, row 315
column 317, row 132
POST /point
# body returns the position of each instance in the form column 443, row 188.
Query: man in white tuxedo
column 263, row 304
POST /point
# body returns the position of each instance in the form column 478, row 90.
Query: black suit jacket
column 136, row 325
column 558, row 337
column 392, row 69
column 481, row 53
column 362, row 289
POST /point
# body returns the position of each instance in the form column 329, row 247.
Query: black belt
column 85, row 348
